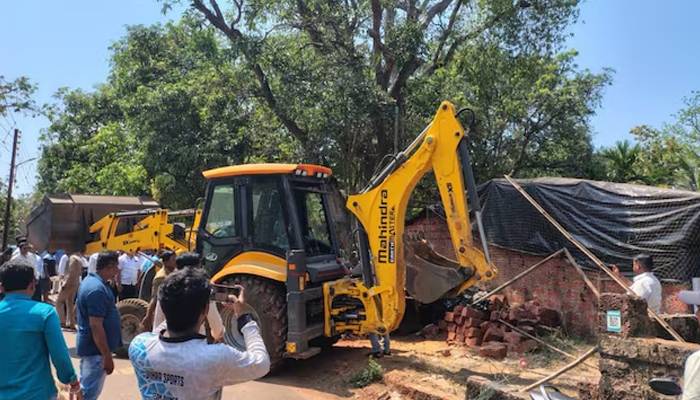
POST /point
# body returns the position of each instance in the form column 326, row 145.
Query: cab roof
column 267, row 169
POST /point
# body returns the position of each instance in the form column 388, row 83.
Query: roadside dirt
column 431, row 365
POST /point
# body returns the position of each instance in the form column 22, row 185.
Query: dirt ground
column 432, row 364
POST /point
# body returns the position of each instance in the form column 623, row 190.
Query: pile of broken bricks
column 488, row 330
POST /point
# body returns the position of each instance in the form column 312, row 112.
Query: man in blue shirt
column 30, row 334
column 99, row 333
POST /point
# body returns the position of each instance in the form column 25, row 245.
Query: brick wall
column 555, row 284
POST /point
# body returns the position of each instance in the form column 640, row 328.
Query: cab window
column 314, row 224
column 221, row 219
column 269, row 228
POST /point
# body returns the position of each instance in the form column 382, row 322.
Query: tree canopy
column 338, row 83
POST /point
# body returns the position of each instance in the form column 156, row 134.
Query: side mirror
column 667, row 385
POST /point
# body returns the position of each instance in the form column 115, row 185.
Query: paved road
column 121, row 385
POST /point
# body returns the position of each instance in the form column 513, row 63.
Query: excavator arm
column 377, row 303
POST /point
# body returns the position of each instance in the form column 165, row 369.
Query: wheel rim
column 131, row 326
column 232, row 335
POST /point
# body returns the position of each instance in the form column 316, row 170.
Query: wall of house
column 555, row 284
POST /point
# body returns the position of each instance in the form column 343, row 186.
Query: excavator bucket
column 63, row 221
column 430, row 276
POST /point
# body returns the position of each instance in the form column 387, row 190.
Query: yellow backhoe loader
column 276, row 228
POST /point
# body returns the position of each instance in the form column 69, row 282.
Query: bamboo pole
column 571, row 365
column 538, row 340
column 516, row 277
column 580, row 272
column 590, row 255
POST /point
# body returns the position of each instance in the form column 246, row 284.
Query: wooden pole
column 590, row 255
column 540, row 341
column 571, row 365
column 516, row 277
column 580, row 272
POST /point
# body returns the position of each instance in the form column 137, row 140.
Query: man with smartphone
column 178, row 362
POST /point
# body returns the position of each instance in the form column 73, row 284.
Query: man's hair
column 16, row 275
column 189, row 259
column 644, row 261
column 167, row 255
column 183, row 296
column 105, row 258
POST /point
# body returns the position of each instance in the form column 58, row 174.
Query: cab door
column 220, row 233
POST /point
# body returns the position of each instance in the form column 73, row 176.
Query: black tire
column 268, row 303
column 131, row 312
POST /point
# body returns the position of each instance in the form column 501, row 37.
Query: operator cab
column 272, row 208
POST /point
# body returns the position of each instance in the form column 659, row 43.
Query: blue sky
column 651, row 45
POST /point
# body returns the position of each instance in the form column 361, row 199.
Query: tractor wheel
column 268, row 305
column 131, row 313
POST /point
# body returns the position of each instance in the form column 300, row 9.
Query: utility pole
column 8, row 204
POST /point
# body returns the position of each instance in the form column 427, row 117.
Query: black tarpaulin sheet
column 615, row 221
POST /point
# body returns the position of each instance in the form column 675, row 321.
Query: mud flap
column 430, row 275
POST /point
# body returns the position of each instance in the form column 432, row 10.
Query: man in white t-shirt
column 129, row 270
column 691, row 376
column 213, row 319
column 645, row 284
column 92, row 263
column 178, row 363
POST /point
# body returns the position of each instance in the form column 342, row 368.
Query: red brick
column 512, row 338
column 533, row 306
column 498, row 301
column 459, row 338
column 472, row 313
column 472, row 332
column 485, row 325
column 473, row 341
column 458, row 309
column 493, row 335
column 449, row 316
column 451, row 327
column 497, row 351
column 459, row 320
column 472, row 322
column 495, row 315
column 519, row 313
column 522, row 347
column 451, row 336
column 460, row 329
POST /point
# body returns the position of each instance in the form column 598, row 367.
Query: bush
column 373, row 372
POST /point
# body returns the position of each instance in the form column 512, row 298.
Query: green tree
column 623, row 162
column 173, row 106
column 334, row 74
column 670, row 156
column 532, row 110
column 310, row 81
column 16, row 96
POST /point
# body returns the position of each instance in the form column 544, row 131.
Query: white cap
column 691, row 297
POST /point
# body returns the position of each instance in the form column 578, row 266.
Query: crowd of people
column 181, row 354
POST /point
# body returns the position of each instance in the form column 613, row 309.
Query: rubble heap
column 482, row 330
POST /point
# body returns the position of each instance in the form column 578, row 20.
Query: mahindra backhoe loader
column 276, row 229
